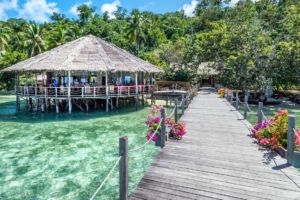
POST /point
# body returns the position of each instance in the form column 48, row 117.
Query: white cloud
column 73, row 9
column 37, row 10
column 189, row 8
column 6, row 5
column 111, row 8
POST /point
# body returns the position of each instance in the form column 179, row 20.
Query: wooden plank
column 217, row 159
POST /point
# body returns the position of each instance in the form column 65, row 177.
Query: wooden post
column 123, row 168
column 237, row 100
column 182, row 104
column 69, row 93
column 56, row 106
column 260, row 110
column 291, row 140
column 176, row 110
column 17, row 95
column 246, row 105
column 163, row 127
column 136, row 91
column 106, row 91
column 35, row 84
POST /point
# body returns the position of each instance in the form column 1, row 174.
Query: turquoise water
column 67, row 157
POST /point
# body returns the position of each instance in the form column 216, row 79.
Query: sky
column 41, row 10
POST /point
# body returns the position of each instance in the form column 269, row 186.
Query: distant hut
column 87, row 71
column 207, row 74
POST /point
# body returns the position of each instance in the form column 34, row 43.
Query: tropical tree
column 85, row 13
column 59, row 37
column 135, row 30
column 33, row 39
column 4, row 39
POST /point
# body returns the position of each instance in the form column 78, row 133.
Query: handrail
column 106, row 178
column 83, row 91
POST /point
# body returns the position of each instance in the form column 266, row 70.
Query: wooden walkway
column 217, row 160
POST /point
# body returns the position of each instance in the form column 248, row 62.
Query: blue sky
column 40, row 10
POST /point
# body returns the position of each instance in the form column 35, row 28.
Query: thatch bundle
column 88, row 53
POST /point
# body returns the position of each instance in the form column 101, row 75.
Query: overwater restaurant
column 83, row 74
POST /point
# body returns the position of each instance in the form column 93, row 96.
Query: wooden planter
column 296, row 162
column 283, row 153
column 158, row 141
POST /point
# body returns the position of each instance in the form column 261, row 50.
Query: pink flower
column 154, row 137
column 264, row 141
column 180, row 132
column 156, row 120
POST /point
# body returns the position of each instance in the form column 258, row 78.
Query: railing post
column 55, row 91
column 231, row 97
column 163, row 127
column 245, row 105
column 123, row 168
column 182, row 104
column 291, row 140
column 176, row 110
column 260, row 110
column 94, row 91
column 236, row 100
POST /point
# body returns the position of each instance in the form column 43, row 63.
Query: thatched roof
column 207, row 68
column 88, row 53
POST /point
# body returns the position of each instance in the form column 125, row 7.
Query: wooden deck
column 217, row 160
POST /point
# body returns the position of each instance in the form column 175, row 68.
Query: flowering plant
column 177, row 130
column 221, row 92
column 273, row 133
column 153, row 122
column 297, row 139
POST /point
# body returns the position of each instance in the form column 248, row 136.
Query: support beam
column 136, row 91
column 106, row 91
column 17, row 96
column 57, row 106
column 69, row 93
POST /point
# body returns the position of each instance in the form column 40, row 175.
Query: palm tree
column 135, row 29
column 33, row 39
column 59, row 37
column 4, row 38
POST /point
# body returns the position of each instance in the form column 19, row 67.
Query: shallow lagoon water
column 66, row 157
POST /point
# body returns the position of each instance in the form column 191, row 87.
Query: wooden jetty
column 217, row 159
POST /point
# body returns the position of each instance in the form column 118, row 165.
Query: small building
column 207, row 73
column 84, row 72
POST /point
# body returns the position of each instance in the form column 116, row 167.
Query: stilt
column 56, row 106
column 37, row 105
column 43, row 105
column 117, row 102
column 111, row 104
column 70, row 105
column 30, row 104
column 136, row 102
column 107, row 102
column 87, row 105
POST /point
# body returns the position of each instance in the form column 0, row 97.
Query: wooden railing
column 87, row 91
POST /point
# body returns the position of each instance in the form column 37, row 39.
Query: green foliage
column 253, row 44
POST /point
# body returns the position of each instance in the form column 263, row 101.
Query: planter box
column 296, row 162
column 158, row 141
column 283, row 153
